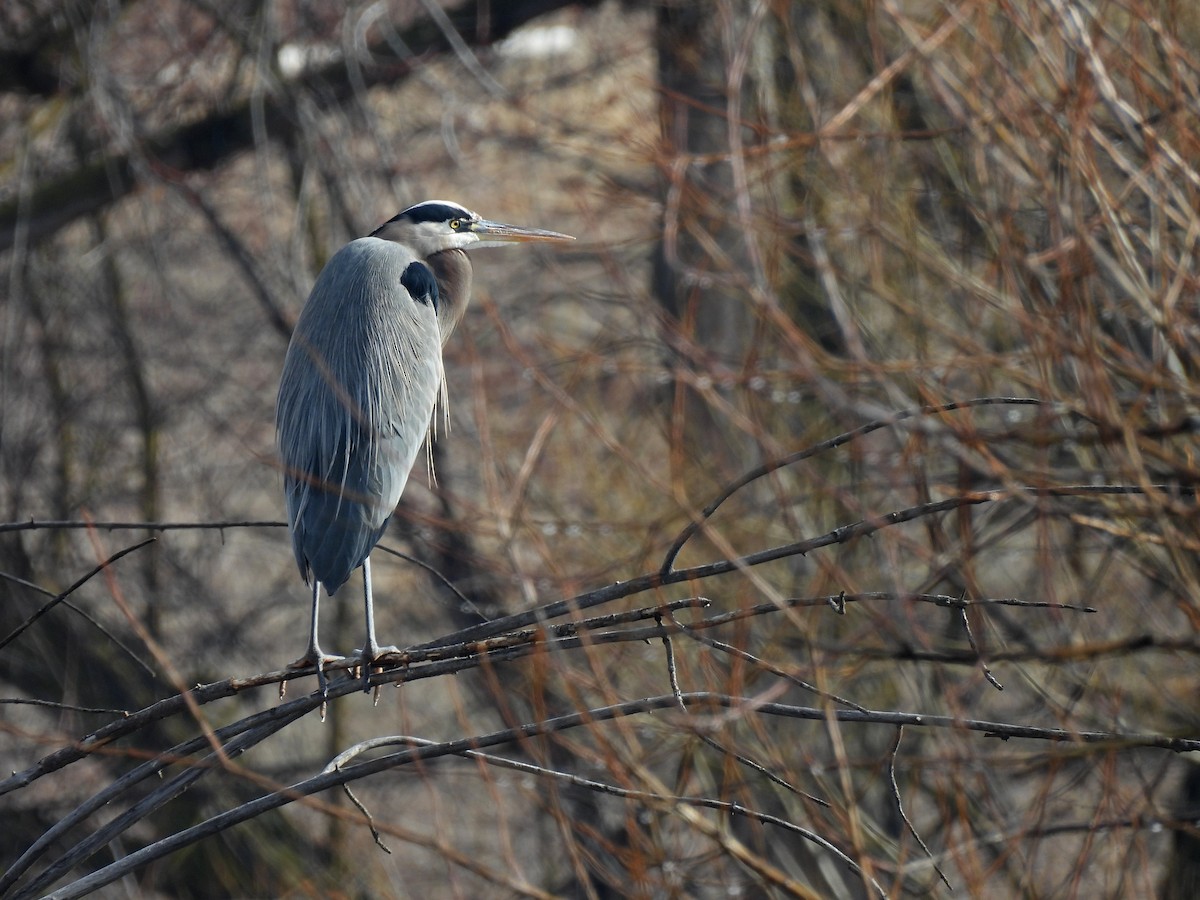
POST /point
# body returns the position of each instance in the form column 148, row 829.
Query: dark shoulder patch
column 420, row 283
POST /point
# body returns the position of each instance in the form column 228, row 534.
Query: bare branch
column 698, row 704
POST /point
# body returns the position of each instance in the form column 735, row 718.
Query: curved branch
column 701, row 701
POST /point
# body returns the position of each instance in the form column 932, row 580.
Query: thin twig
column 987, row 673
column 446, row 582
column 1063, row 653
column 769, row 667
column 672, row 671
column 87, row 617
column 83, row 525
column 70, row 707
column 370, row 820
column 759, row 768
column 900, row 806
column 164, row 661
column 767, row 468
column 46, row 607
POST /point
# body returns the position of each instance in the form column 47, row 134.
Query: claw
column 320, row 660
column 369, row 655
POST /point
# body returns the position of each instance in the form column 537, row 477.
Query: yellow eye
column 456, row 224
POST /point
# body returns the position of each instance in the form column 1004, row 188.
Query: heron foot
column 315, row 657
column 368, row 657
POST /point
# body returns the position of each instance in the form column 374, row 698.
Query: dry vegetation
column 953, row 653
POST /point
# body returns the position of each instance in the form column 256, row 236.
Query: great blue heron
column 360, row 381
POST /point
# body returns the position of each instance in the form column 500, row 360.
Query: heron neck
column 452, row 270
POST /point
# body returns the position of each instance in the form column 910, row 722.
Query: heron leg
column 315, row 656
column 371, row 650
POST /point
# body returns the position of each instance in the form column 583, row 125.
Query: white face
column 431, row 237
column 430, row 227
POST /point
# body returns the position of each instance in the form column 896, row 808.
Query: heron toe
column 370, row 656
column 318, row 659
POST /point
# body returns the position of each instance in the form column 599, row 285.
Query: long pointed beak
column 499, row 233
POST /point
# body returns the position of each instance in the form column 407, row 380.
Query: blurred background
column 794, row 219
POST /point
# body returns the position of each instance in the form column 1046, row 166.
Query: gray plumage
column 355, row 402
column 361, row 379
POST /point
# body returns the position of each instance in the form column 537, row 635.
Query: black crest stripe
column 433, row 212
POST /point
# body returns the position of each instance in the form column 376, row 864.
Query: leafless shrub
column 824, row 524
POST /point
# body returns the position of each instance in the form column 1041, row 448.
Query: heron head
column 436, row 225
